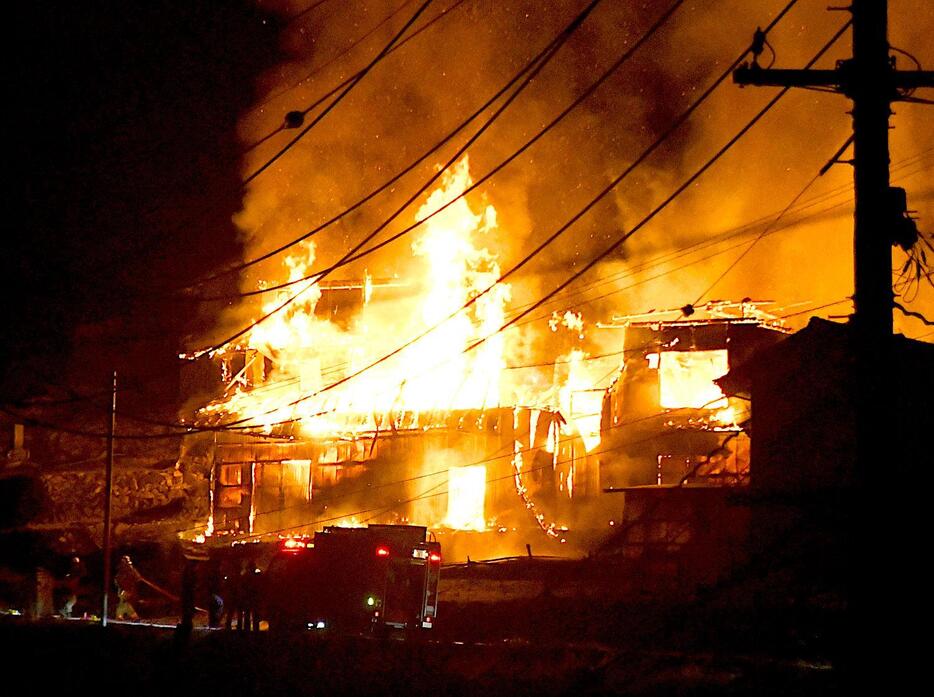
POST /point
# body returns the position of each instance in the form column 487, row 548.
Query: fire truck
column 354, row 580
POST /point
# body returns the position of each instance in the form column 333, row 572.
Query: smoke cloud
column 421, row 91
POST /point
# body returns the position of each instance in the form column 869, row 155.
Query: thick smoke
column 416, row 95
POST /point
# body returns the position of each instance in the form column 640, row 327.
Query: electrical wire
column 107, row 266
column 901, row 164
column 758, row 239
column 535, row 63
column 690, row 180
column 338, row 99
column 189, row 429
column 911, row 313
column 301, row 13
column 348, row 256
column 723, row 150
column 740, row 232
column 272, row 97
column 819, row 307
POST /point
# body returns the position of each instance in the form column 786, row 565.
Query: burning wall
column 479, row 470
column 665, row 419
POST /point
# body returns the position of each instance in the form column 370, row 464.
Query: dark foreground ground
column 539, row 646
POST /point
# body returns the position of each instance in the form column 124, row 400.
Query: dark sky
column 123, row 177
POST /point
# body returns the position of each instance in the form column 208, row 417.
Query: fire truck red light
column 382, row 551
column 434, row 556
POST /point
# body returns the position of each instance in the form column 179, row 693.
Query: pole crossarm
column 843, row 77
column 912, row 79
column 781, row 77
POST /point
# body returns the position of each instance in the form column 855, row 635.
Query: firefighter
column 127, row 583
column 71, row 584
column 250, row 588
column 233, row 597
column 187, row 598
column 215, row 600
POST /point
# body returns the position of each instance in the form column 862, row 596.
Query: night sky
column 124, row 177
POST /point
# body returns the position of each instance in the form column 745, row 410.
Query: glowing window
column 686, row 379
column 466, row 492
column 230, row 475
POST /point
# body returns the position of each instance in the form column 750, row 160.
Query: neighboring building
column 803, row 410
column 664, row 417
column 675, row 446
column 832, row 525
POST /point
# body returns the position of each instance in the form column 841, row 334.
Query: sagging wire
column 909, row 92
column 911, row 313
column 912, row 242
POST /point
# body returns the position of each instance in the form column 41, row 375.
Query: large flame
column 341, row 380
column 466, row 493
column 686, row 379
column 309, row 354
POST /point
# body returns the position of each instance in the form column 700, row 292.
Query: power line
column 317, row 276
column 622, row 238
column 443, row 13
column 353, row 78
column 758, row 238
column 352, row 257
column 662, row 259
column 301, row 13
column 337, row 100
column 577, row 216
column 543, row 55
column 911, row 313
column 680, row 189
column 819, row 307
column 565, row 34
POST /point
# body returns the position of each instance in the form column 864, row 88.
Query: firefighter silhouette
column 250, row 586
column 233, row 597
column 215, row 599
column 71, row 584
column 242, row 595
column 127, row 583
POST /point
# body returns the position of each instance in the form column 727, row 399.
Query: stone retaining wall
column 77, row 496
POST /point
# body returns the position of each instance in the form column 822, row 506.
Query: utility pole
column 878, row 561
column 108, row 489
column 870, row 80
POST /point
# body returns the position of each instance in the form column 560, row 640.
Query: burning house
column 391, row 400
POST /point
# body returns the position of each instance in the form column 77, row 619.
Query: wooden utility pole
column 878, row 560
column 870, row 79
column 108, row 497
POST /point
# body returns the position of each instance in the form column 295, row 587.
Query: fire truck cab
column 354, row 580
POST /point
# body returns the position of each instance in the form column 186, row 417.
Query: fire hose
column 159, row 589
